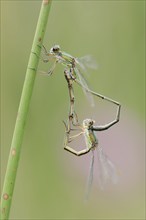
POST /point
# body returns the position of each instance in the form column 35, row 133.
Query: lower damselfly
column 106, row 167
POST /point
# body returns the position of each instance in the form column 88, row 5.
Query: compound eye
column 56, row 48
column 91, row 122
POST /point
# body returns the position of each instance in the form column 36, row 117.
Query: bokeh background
column 51, row 182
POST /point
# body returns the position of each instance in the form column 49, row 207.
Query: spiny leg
column 52, row 68
column 69, row 138
column 45, row 60
column 50, row 71
column 45, row 50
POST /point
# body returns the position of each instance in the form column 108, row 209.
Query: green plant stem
column 13, row 161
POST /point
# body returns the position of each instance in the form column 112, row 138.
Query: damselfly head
column 88, row 123
column 55, row 49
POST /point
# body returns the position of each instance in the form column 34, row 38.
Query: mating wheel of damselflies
column 73, row 73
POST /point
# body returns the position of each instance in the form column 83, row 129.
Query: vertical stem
column 13, row 161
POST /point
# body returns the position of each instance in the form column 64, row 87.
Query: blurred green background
column 51, row 182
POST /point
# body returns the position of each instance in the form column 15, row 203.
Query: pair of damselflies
column 73, row 73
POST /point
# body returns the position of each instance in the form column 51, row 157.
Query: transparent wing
column 107, row 170
column 90, row 177
column 87, row 61
column 84, row 84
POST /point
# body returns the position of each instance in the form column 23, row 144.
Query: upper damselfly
column 75, row 66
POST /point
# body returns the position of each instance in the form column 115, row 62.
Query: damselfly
column 72, row 64
column 107, row 169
